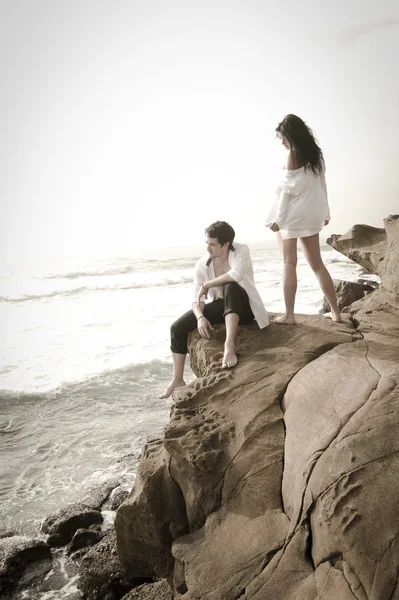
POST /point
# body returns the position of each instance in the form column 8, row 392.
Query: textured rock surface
column 348, row 292
column 61, row 526
column 101, row 574
column 278, row 480
column 363, row 244
column 22, row 561
column 160, row 590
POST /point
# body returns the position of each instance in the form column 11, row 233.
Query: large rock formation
column 278, row 480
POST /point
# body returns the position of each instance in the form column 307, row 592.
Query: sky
column 135, row 124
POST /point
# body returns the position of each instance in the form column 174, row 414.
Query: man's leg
column 237, row 308
column 177, row 378
column 178, row 344
column 179, row 331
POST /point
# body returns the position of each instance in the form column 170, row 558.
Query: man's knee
column 174, row 327
column 231, row 287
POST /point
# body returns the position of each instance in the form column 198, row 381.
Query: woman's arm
column 282, row 208
column 324, row 186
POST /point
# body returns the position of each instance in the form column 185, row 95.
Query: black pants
column 235, row 300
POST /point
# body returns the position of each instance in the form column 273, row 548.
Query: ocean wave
column 166, row 281
column 139, row 374
column 134, row 267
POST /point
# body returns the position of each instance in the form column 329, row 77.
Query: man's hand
column 203, row 291
column 204, row 327
column 274, row 227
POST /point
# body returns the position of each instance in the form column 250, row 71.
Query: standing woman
column 300, row 211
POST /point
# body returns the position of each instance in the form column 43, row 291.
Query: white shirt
column 241, row 271
column 301, row 202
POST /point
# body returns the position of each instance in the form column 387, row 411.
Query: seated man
column 225, row 274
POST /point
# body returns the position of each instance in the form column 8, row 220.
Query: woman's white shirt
column 301, row 203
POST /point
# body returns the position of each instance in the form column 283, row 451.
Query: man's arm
column 199, row 280
column 221, row 280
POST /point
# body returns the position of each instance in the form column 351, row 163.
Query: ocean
column 84, row 354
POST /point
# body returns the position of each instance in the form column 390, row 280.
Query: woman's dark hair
column 302, row 142
column 222, row 231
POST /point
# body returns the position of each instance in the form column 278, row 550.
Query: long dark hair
column 302, row 142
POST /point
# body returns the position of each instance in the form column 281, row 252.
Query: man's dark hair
column 222, row 231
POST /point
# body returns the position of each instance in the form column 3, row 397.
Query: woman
column 301, row 211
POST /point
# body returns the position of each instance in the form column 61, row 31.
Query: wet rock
column 101, row 574
column 61, row 526
column 97, row 497
column 159, row 590
column 84, row 538
column 23, row 561
column 117, row 498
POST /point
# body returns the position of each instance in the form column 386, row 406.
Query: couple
column 225, row 276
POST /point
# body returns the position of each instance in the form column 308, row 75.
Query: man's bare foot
column 285, row 320
column 229, row 357
column 335, row 316
column 175, row 383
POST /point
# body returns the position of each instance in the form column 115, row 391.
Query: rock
column 364, row 245
column 277, row 480
column 97, row 497
column 390, row 278
column 117, row 498
column 150, row 519
column 23, row 561
column 160, row 590
column 101, row 574
column 347, row 293
column 225, row 444
column 61, row 526
column 84, row 538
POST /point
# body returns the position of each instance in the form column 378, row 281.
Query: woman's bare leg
column 311, row 249
column 289, row 251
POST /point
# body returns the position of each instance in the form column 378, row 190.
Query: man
column 225, row 275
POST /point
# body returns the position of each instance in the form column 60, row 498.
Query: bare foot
column 229, row 357
column 335, row 316
column 285, row 320
column 175, row 383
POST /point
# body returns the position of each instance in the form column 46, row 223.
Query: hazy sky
column 136, row 123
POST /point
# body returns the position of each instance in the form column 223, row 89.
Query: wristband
column 202, row 316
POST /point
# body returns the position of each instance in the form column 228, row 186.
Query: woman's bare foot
column 229, row 357
column 285, row 320
column 335, row 316
column 175, row 383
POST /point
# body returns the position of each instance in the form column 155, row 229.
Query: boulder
column 159, row 590
column 348, row 292
column 23, row 561
column 84, row 538
column 61, row 526
column 117, row 498
column 364, row 245
column 277, row 480
column 390, row 277
column 101, row 574
column 151, row 518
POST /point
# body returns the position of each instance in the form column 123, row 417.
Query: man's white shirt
column 241, row 270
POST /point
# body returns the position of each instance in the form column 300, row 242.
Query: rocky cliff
column 279, row 480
